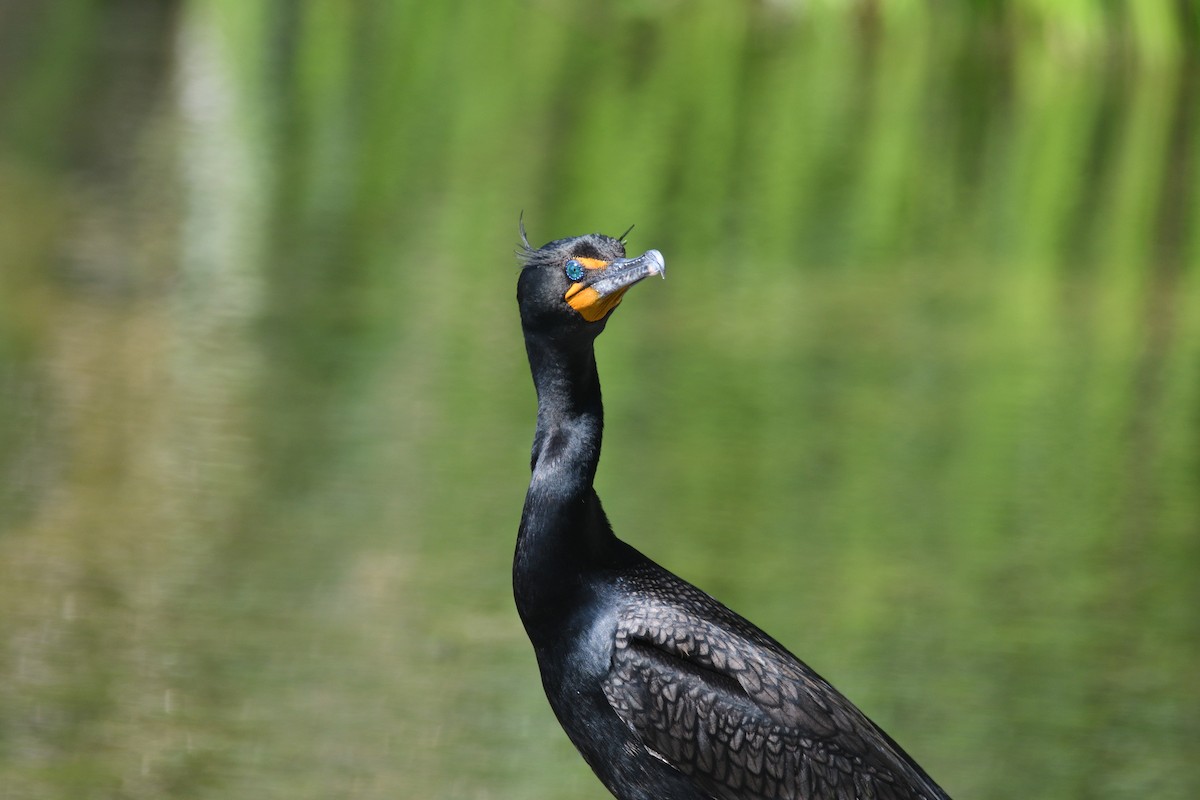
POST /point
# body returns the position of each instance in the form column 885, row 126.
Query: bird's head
column 571, row 286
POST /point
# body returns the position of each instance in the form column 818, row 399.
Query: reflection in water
column 919, row 396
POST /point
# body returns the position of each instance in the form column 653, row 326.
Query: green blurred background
column 921, row 395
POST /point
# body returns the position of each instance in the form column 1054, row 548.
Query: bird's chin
column 592, row 305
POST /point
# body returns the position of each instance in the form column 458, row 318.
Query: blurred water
column 919, row 396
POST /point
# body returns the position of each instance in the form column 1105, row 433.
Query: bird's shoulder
column 717, row 698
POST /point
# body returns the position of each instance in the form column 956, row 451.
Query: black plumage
column 666, row 693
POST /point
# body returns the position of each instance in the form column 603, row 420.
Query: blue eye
column 574, row 270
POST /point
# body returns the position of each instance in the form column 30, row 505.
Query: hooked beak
column 605, row 283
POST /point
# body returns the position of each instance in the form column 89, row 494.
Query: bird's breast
column 577, row 657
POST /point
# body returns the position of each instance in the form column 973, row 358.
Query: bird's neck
column 564, row 532
column 566, row 445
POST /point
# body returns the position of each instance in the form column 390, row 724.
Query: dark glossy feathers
column 716, row 698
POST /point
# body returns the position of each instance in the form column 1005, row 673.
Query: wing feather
column 724, row 703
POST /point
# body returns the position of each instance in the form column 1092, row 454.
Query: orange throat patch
column 588, row 302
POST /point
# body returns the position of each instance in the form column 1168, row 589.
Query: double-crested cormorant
column 666, row 693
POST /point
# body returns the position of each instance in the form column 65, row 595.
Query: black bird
column 667, row 694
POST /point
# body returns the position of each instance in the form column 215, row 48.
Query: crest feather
column 526, row 248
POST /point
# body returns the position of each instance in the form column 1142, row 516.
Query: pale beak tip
column 657, row 265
